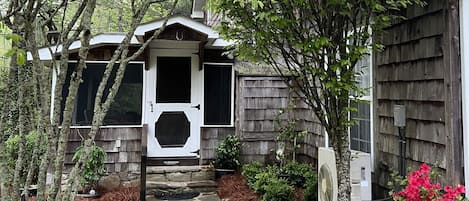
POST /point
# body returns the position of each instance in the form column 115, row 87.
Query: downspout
column 464, row 45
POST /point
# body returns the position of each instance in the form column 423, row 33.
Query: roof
column 190, row 23
column 95, row 41
column 115, row 38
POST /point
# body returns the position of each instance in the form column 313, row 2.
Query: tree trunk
column 21, row 130
column 343, row 173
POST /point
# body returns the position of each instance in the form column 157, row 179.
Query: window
column 218, row 94
column 127, row 106
column 361, row 133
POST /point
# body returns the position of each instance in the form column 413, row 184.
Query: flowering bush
column 418, row 186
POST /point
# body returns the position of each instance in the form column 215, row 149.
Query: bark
column 21, row 132
column 60, row 68
column 36, row 70
column 43, row 85
column 73, row 89
column 342, row 158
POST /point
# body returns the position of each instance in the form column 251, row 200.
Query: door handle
column 197, row 106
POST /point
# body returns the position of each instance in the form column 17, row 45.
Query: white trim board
column 202, row 28
column 464, row 44
column 95, row 41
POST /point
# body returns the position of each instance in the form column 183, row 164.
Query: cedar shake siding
column 258, row 102
column 419, row 68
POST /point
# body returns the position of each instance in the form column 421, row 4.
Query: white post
column 464, row 45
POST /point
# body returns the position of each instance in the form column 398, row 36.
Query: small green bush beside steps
column 278, row 184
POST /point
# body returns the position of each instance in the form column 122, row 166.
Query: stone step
column 180, row 173
column 211, row 196
column 180, row 181
column 180, row 187
column 170, row 169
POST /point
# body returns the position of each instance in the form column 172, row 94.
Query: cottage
column 183, row 96
column 179, row 99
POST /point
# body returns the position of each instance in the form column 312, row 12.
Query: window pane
column 127, row 106
column 360, row 134
column 173, row 82
column 363, row 67
column 217, row 89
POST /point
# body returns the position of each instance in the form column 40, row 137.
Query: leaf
column 13, row 37
column 21, row 57
column 10, row 53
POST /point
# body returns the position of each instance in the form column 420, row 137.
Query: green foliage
column 298, row 173
column 275, row 183
column 228, row 153
column 278, row 190
column 94, row 166
column 262, row 180
column 311, row 190
column 250, row 171
column 19, row 53
column 112, row 16
column 288, row 133
column 12, row 149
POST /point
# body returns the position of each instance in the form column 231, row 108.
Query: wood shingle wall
column 122, row 146
column 259, row 99
column 417, row 69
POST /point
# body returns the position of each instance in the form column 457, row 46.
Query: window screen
column 217, row 92
column 127, row 106
column 173, row 82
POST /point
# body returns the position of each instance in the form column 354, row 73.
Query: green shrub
column 298, row 173
column 94, row 166
column 251, row 170
column 12, row 149
column 311, row 189
column 262, row 180
column 278, row 190
column 227, row 153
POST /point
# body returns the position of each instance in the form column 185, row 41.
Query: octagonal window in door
column 172, row 129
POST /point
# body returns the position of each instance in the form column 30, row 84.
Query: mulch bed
column 121, row 194
column 234, row 188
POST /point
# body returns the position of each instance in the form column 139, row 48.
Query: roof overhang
column 96, row 41
column 213, row 38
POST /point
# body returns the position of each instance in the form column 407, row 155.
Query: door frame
column 195, row 116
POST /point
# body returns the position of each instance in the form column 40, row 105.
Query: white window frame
column 232, row 96
column 54, row 82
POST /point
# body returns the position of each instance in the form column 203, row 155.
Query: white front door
column 173, row 98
